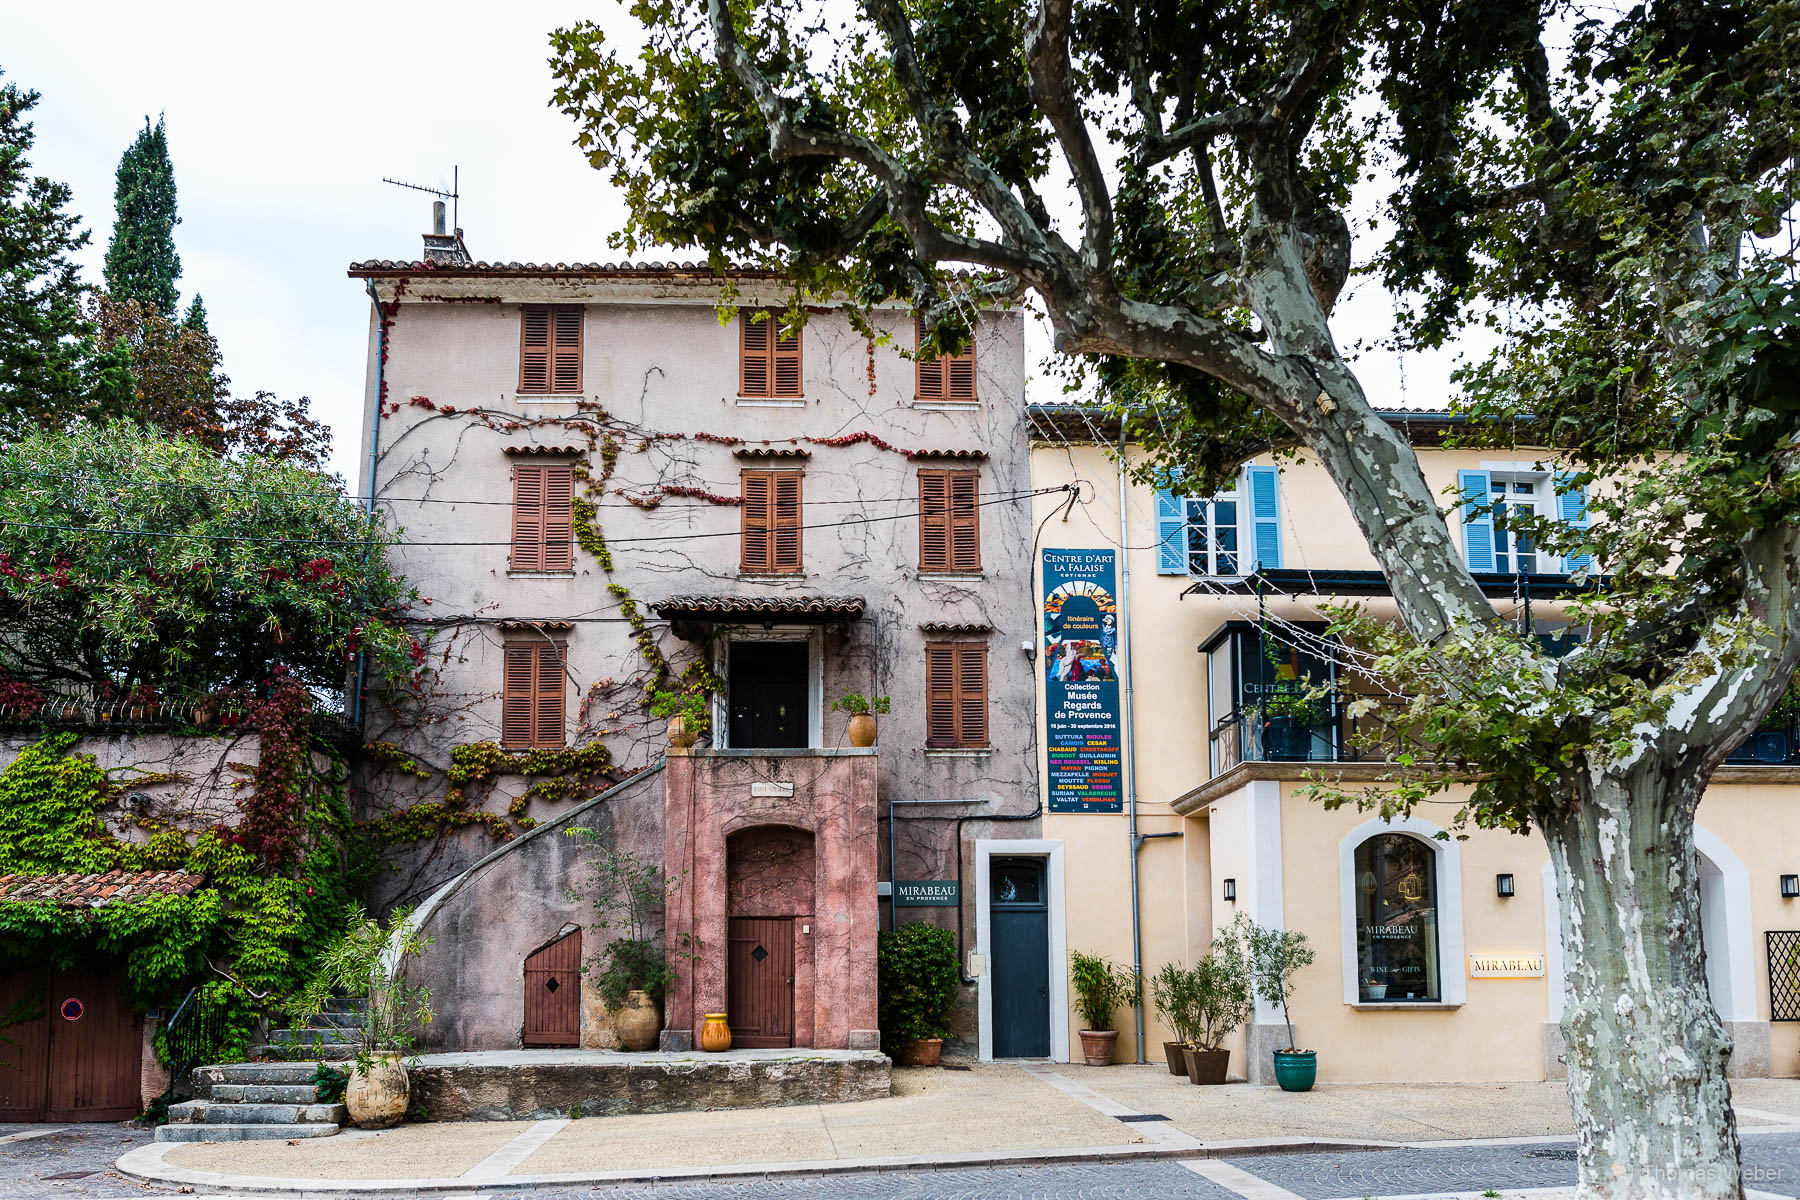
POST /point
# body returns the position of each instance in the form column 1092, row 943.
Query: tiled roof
column 956, row 627
column 772, row 452
column 976, row 455
column 524, row 449
column 383, row 266
column 558, row 626
column 91, row 891
column 804, row 606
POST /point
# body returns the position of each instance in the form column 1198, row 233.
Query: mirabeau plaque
column 1506, row 966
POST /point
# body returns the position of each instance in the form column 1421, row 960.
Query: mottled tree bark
column 1646, row 1048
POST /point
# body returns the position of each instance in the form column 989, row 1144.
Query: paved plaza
column 1040, row 1131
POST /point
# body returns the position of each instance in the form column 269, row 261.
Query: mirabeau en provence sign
column 1506, row 966
column 927, row 893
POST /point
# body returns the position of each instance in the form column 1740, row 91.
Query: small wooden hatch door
column 553, row 993
column 760, row 983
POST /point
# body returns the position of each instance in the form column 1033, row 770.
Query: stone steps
column 240, row 1133
column 265, row 1093
column 331, row 1035
column 214, row 1112
column 205, row 1078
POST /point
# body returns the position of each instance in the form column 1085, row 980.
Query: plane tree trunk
column 1646, row 1048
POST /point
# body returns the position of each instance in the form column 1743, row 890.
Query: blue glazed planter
column 1295, row 1071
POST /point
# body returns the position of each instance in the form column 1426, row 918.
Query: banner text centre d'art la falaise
column 1081, row 682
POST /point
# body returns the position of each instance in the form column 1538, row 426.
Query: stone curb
column 145, row 1163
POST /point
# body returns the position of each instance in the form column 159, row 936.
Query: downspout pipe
column 362, row 660
column 1130, row 750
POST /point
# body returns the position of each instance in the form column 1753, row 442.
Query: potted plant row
column 916, row 987
column 1204, row 1004
column 1101, row 989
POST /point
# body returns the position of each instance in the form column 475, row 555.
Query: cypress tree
column 196, row 316
column 141, row 262
column 44, row 337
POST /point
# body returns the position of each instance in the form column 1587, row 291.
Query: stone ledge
column 537, row 1085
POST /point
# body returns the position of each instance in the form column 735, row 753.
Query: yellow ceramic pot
column 715, row 1035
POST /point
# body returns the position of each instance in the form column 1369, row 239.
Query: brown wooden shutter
column 785, row 532
column 565, row 350
column 558, row 553
column 757, row 486
column 551, row 687
column 534, row 349
column 965, row 520
column 971, row 694
column 755, row 365
column 787, row 359
column 518, row 694
column 956, row 714
column 528, row 516
column 947, row 377
column 934, row 520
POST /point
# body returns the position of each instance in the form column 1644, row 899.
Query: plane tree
column 1607, row 192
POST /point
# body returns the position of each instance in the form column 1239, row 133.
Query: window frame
column 554, row 651
column 958, row 698
column 934, row 382
column 941, row 518
column 767, row 523
column 773, row 354
column 1452, row 960
column 556, row 353
column 1238, row 497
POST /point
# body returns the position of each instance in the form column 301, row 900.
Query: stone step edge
column 195, row 1132
column 228, row 1112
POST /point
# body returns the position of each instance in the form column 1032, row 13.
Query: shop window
column 1397, row 920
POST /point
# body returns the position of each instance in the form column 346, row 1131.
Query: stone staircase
column 240, row 1102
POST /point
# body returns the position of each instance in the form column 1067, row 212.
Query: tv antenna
column 453, row 195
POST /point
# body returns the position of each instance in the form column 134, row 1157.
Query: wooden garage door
column 553, row 993
column 79, row 1058
column 760, row 987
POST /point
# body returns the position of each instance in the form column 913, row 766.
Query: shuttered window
column 956, row 707
column 772, row 521
column 531, row 699
column 768, row 363
column 949, row 521
column 550, row 350
column 543, row 495
column 948, row 377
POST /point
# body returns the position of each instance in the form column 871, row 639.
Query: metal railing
column 1331, row 734
column 1776, row 744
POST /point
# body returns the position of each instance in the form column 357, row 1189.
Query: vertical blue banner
column 1081, row 682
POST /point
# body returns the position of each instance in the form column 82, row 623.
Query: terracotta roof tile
column 525, row 449
column 384, row 266
column 973, row 455
column 555, row 626
column 790, row 605
column 91, row 891
column 772, row 452
column 956, row 627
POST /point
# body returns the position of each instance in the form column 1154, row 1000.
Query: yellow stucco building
column 1436, row 960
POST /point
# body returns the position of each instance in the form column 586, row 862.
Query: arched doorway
column 769, row 886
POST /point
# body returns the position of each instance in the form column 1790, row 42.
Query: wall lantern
column 1503, row 886
column 1231, row 890
column 1790, row 886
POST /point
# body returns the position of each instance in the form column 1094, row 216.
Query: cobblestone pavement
column 82, row 1156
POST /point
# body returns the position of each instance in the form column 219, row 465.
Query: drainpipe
column 362, row 660
column 1129, row 746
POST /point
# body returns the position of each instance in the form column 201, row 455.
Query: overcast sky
column 282, row 121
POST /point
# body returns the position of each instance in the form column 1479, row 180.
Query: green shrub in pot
column 916, row 986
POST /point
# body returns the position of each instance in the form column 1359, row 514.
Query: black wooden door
column 769, row 708
column 760, row 981
column 1019, row 920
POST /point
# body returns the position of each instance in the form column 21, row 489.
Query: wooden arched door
column 553, row 993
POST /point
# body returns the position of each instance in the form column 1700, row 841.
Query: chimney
column 444, row 249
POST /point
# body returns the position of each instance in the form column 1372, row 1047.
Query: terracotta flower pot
column 1173, row 1052
column 377, row 1098
column 923, row 1052
column 680, row 736
column 862, row 730
column 1097, row 1046
column 715, row 1035
column 637, row 1022
column 1206, row 1066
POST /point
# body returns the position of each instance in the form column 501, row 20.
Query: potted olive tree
column 917, row 991
column 1101, row 988
column 630, row 972
column 1219, row 992
column 367, row 962
column 1171, row 989
column 1275, row 956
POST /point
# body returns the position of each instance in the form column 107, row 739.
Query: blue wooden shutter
column 1265, row 518
column 1478, row 519
column 1171, row 533
column 1571, row 506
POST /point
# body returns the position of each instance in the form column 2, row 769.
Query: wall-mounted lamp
column 1503, row 886
column 1231, row 891
column 1790, row 886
